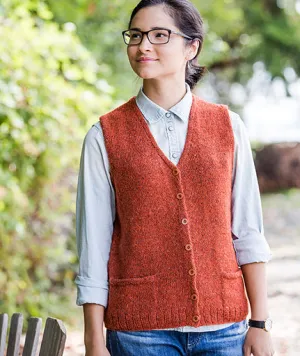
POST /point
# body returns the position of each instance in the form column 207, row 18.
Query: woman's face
column 167, row 60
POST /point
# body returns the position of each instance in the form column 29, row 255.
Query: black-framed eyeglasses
column 160, row 35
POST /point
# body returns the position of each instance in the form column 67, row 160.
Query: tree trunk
column 278, row 166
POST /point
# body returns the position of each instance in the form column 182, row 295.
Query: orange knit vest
column 172, row 262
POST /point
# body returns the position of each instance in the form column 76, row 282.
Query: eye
column 160, row 34
column 135, row 35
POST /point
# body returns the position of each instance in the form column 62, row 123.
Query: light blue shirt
column 95, row 203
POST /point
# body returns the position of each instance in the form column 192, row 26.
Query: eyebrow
column 152, row 28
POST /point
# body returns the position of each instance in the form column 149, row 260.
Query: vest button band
column 196, row 318
column 191, row 272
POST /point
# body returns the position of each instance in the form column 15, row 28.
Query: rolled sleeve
column 252, row 247
column 249, row 241
column 90, row 291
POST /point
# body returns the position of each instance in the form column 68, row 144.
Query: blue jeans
column 224, row 342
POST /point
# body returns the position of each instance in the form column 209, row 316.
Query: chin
column 146, row 74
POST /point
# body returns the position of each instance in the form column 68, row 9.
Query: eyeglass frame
column 153, row 29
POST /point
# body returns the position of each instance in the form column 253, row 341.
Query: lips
column 146, row 59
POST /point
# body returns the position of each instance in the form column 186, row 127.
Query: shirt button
column 196, row 318
column 194, row 296
column 168, row 114
column 174, row 155
column 188, row 247
column 179, row 196
column 191, row 272
column 175, row 172
column 171, row 128
column 184, row 221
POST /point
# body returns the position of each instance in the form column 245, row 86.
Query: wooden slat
column 15, row 332
column 3, row 330
column 32, row 337
column 54, row 338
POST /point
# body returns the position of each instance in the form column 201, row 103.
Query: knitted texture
column 172, row 262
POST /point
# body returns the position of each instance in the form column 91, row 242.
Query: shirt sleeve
column 95, row 214
column 249, row 241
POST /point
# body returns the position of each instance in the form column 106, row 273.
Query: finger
column 247, row 350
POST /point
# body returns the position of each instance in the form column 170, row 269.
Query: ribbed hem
column 172, row 318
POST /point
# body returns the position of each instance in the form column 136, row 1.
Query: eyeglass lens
column 134, row 37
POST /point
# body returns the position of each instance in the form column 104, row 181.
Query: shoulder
column 119, row 110
column 216, row 111
column 94, row 131
column 237, row 124
column 94, row 137
column 234, row 117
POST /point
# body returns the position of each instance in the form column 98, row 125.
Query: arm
column 252, row 249
column 95, row 213
column 258, row 341
column 249, row 241
column 256, row 285
column 93, row 329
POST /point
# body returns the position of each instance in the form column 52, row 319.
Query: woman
column 168, row 209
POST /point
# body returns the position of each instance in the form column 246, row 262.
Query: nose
column 145, row 43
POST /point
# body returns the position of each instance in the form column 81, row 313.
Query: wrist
column 260, row 312
column 95, row 340
column 94, row 350
column 259, row 316
column 265, row 324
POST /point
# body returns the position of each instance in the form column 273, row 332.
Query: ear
column 193, row 49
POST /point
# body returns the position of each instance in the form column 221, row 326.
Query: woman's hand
column 97, row 351
column 258, row 343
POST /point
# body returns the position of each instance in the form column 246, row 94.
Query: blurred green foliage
column 51, row 89
column 63, row 64
column 238, row 34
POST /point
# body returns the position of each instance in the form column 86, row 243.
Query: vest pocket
column 233, row 275
column 233, row 288
column 131, row 295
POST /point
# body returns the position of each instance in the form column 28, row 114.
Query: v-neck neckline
column 188, row 140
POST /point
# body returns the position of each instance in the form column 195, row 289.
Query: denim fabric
column 228, row 341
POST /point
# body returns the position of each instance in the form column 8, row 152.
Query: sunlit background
column 62, row 65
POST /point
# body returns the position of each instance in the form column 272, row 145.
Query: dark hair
column 188, row 19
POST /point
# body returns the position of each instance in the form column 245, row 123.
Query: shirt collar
column 153, row 112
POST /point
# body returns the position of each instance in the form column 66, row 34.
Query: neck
column 163, row 93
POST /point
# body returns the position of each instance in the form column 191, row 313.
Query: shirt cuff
column 251, row 249
column 88, row 291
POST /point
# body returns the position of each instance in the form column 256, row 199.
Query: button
column 196, row 318
column 174, row 155
column 188, row 247
column 191, row 272
column 184, row 221
column 175, row 172
column 171, row 128
column 194, row 296
column 168, row 114
column 179, row 196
